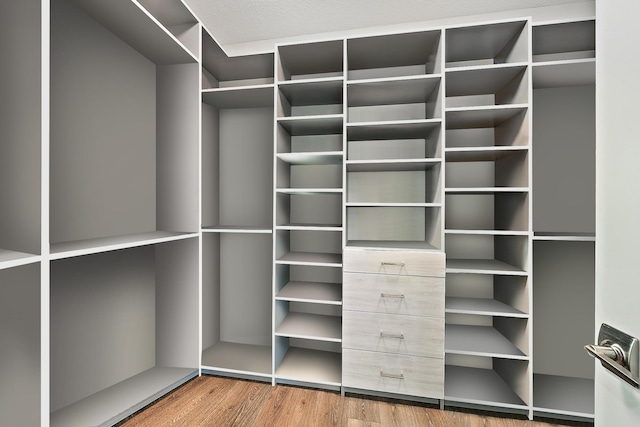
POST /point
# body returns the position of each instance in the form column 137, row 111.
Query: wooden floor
column 215, row 401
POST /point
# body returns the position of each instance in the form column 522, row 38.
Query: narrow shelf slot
column 563, row 396
column 481, row 154
column 239, row 97
column 483, row 266
column 236, row 229
column 486, row 190
column 311, row 366
column 408, row 90
column 482, row 117
column 566, row 237
column 479, row 386
column 396, row 165
column 309, row 258
column 311, row 326
column 312, row 125
column 483, row 341
column 482, row 307
column 398, row 129
column 564, row 40
column 312, row 158
column 105, row 244
column 122, row 399
column 236, row 357
column 311, row 292
column 391, row 244
column 575, row 72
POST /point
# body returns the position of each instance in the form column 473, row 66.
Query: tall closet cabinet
column 407, row 215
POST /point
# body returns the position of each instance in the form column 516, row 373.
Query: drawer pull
column 399, row 336
column 399, row 376
column 386, row 295
column 399, row 264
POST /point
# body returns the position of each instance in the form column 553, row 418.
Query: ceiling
column 243, row 21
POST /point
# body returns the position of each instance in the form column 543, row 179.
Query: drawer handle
column 399, row 376
column 399, row 336
column 399, row 264
column 386, row 295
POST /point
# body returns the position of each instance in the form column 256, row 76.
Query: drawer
column 406, row 263
column 392, row 333
column 382, row 293
column 391, row 373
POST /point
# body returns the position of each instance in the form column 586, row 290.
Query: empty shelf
column 481, row 80
column 568, row 237
column 312, row 125
column 481, row 154
column 391, row 244
column 312, row 292
column 243, row 358
column 398, row 90
column 311, row 326
column 311, row 258
column 481, row 306
column 123, row 399
column 576, row 72
column 479, row 386
column 486, row 190
column 105, row 244
column 399, row 165
column 239, row 96
column 403, row 129
column 483, row 266
column 312, row 92
column 312, row 158
column 237, row 229
column 482, row 117
column 310, row 227
column 489, row 232
column 13, row 258
column 311, row 366
column 563, row 395
column 479, row 341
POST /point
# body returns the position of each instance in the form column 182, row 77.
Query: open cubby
column 487, row 254
column 237, row 153
column 404, row 99
column 310, row 284
column 308, row 176
column 564, row 133
column 308, row 210
column 487, row 336
column 309, row 247
column 20, row 334
column 487, row 44
column 124, row 166
column 219, row 71
column 502, row 85
column 309, row 98
column 563, row 41
column 178, row 19
column 487, row 212
column 397, row 143
column 507, row 172
column 564, row 304
column 310, row 60
column 394, row 55
column 20, row 132
column 402, row 227
column 487, row 295
column 237, row 273
column 136, row 322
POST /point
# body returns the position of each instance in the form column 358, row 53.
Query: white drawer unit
column 382, row 293
column 393, row 373
column 406, row 263
column 390, row 333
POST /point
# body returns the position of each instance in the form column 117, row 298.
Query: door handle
column 618, row 352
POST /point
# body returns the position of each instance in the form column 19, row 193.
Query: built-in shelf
column 311, row 292
column 311, row 258
column 563, row 40
column 10, row 259
column 481, row 154
column 475, row 340
column 239, row 96
column 485, row 190
column 311, row 326
column 312, row 158
column 483, row 266
column 488, row 232
column 237, row 229
column 312, row 125
column 481, row 80
column 564, row 396
column 392, row 205
column 105, row 244
column 131, row 22
column 248, row 359
column 327, row 91
column 397, row 165
column 482, row 117
column 396, row 129
column 572, row 72
column 398, row 90
column 309, row 190
column 122, row 399
column 565, row 237
column 310, row 227
column 479, row 386
column 310, row 366
column 391, row 244
column 482, row 307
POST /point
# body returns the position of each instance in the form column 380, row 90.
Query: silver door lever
column 618, row 352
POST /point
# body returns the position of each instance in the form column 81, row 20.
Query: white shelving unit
column 308, row 199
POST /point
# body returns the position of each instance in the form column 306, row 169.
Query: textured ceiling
column 242, row 21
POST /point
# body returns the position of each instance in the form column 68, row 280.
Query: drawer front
column 392, row 333
column 406, row 263
column 407, row 375
column 382, row 293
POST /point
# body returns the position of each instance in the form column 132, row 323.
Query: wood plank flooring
column 215, row 401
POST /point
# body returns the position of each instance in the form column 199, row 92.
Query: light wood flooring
column 215, row 401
